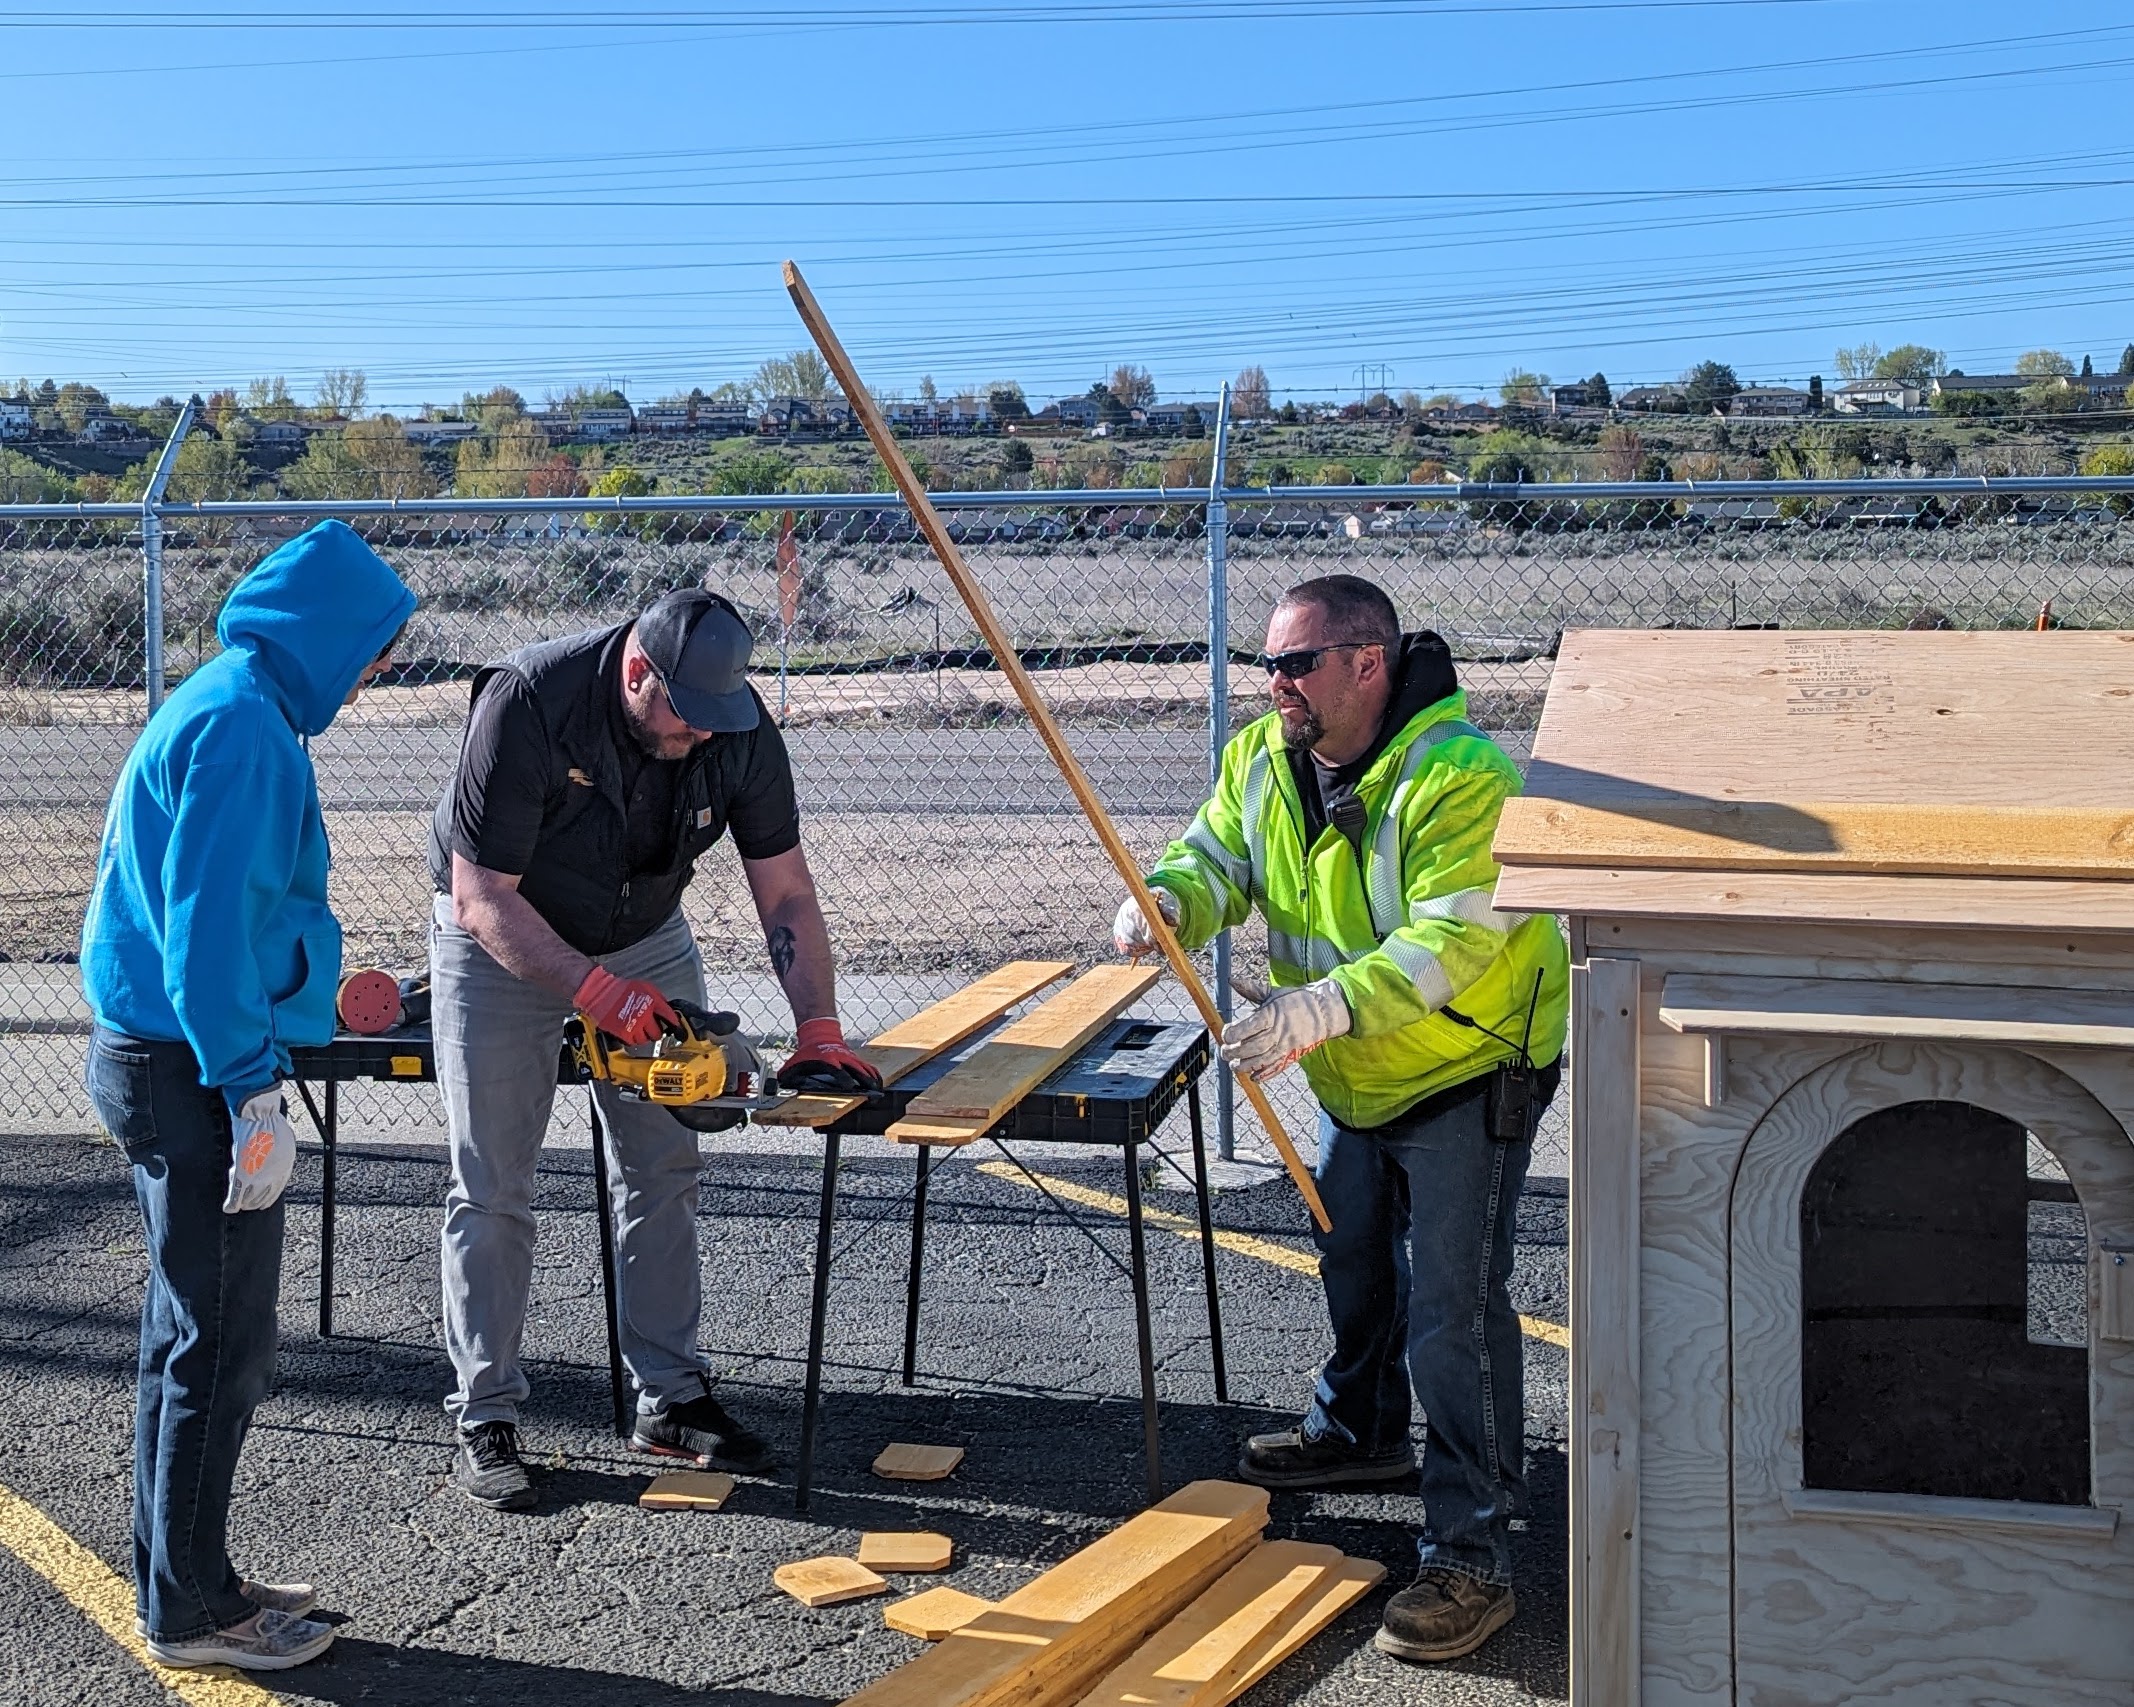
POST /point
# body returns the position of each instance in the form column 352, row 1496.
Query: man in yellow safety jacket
column 1357, row 816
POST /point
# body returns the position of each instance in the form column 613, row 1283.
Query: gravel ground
column 1028, row 1361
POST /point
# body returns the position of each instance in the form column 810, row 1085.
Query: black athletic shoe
column 487, row 1469
column 1292, row 1459
column 1443, row 1615
column 701, row 1431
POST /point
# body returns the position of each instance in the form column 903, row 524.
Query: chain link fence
column 941, row 838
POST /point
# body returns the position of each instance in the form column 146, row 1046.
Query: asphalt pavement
column 1027, row 1360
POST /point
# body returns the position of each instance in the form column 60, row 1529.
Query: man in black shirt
column 595, row 771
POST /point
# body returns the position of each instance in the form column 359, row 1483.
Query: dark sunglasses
column 1300, row 663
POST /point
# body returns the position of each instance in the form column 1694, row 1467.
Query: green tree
column 1815, row 393
column 1913, row 362
column 24, row 480
column 1006, row 401
column 74, row 404
column 814, row 478
column 1111, row 409
column 492, row 408
column 1019, row 458
column 878, row 472
column 368, row 459
column 1709, row 386
column 497, row 465
column 1523, row 390
column 269, row 400
column 747, row 472
column 802, row 374
column 1598, row 392
column 340, row 393
column 1858, row 361
column 2087, row 371
column 206, row 470
column 1965, row 404
column 2126, row 360
column 2114, row 460
column 622, row 481
column 2044, row 364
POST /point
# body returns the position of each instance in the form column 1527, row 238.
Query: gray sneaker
column 296, row 1599
column 275, row 1642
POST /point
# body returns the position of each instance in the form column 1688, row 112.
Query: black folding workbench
column 1114, row 1093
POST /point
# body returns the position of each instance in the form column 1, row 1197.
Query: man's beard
column 1304, row 734
column 651, row 741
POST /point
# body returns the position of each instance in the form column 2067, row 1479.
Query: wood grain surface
column 1862, row 1007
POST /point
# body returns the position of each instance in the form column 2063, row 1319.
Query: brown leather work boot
column 1443, row 1615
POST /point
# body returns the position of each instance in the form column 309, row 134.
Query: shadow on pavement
column 355, row 1671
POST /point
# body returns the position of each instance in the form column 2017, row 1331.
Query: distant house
column 17, row 419
column 554, row 425
column 1474, row 412
column 1652, row 400
column 1992, row 384
column 724, row 420
column 425, row 431
column 1878, row 397
column 290, row 433
column 664, row 418
column 1768, row 402
column 806, row 418
column 1076, row 411
column 1574, row 399
column 1173, row 417
column 605, row 423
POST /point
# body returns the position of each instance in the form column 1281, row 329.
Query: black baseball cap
column 700, row 646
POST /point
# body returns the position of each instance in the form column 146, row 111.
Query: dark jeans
column 1416, row 1273
column 207, row 1329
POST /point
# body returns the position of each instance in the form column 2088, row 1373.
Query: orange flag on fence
column 788, row 574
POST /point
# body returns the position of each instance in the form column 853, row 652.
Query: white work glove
column 1130, row 931
column 262, row 1153
column 1289, row 1023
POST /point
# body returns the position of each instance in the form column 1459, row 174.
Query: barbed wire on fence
column 941, row 839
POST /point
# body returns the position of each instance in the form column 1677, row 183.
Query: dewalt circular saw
column 703, row 1071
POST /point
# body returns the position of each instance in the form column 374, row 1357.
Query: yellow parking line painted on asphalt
column 97, row 1592
column 1244, row 1244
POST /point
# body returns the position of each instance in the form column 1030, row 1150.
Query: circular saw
column 703, row 1071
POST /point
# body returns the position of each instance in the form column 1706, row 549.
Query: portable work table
column 1113, row 1093
column 1852, row 925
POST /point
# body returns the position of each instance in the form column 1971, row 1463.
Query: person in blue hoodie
column 207, row 953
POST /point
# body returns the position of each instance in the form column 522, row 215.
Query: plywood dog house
column 1852, row 924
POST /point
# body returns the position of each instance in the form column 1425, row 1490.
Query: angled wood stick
column 1011, row 664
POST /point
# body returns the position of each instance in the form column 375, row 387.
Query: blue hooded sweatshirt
column 208, row 924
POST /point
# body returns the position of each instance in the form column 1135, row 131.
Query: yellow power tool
column 703, row 1072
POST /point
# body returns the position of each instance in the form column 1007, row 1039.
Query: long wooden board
column 1049, row 1642
column 1860, row 1007
column 1200, row 1658
column 1006, row 1068
column 1339, row 1590
column 915, row 1041
column 1842, row 836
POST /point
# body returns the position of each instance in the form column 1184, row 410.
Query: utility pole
column 1365, row 373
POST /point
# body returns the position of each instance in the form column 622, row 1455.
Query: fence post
column 152, row 560
column 1218, row 536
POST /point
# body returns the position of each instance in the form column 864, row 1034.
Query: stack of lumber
column 1186, row 1605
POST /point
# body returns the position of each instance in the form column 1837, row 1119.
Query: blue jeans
column 207, row 1329
column 1417, row 1273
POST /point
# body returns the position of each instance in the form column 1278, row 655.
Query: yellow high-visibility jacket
column 1407, row 930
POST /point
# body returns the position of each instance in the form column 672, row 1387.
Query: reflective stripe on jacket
column 1407, row 930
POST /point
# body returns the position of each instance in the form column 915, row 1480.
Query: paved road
column 590, row 1602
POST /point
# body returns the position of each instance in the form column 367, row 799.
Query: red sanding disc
column 369, row 1002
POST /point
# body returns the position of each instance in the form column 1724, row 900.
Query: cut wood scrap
column 1336, row 1592
column 915, row 1041
column 687, row 1490
column 827, row 1581
column 932, row 1615
column 1200, row 1657
column 1048, row 1643
column 1005, row 1069
column 906, row 1550
column 900, row 1461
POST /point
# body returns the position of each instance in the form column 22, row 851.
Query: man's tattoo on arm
column 782, row 949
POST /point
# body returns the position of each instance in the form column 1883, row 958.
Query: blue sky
column 1038, row 190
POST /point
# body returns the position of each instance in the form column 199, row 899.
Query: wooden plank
column 906, row 1550
column 932, row 1615
column 901, row 1461
column 1604, row 1334
column 1841, row 898
column 1046, row 1644
column 828, row 1581
column 1200, row 1658
column 932, row 1031
column 1939, row 1511
column 1006, row 1068
column 1009, row 661
column 688, row 1490
column 1878, row 837
column 1844, row 1007
column 1336, row 1592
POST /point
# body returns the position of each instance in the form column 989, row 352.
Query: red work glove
column 624, row 1008
column 821, row 1061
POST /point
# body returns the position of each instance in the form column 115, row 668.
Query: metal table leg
column 918, row 1253
column 616, row 1390
column 1138, row 1258
column 811, row 1402
column 329, row 1133
column 1207, row 1251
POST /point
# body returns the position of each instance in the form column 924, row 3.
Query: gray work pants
column 497, row 1038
